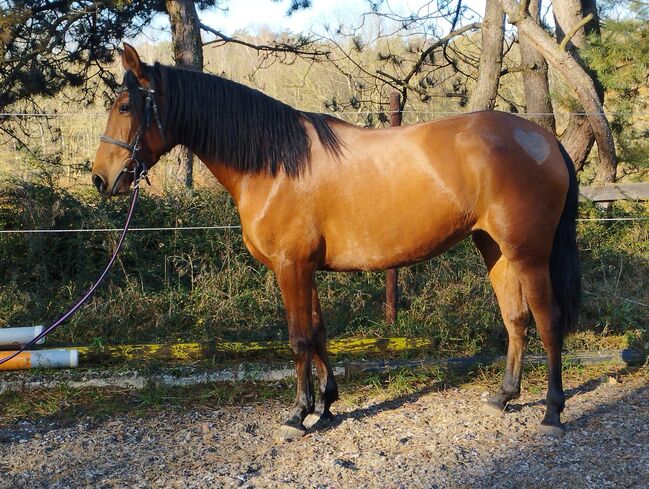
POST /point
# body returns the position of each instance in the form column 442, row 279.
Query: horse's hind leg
column 537, row 287
column 327, row 383
column 516, row 316
column 296, row 283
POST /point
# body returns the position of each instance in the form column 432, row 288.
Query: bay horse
column 316, row 193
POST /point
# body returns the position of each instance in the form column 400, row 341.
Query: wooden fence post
column 392, row 274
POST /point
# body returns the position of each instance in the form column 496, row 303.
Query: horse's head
column 133, row 140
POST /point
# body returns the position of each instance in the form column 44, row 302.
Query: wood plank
column 613, row 192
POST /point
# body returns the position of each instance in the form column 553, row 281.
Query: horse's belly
column 392, row 244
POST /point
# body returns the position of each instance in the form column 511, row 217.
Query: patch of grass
column 62, row 402
column 590, row 340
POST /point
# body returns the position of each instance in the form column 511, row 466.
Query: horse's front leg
column 296, row 282
column 327, row 382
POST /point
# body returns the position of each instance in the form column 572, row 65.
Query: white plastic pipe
column 62, row 358
column 55, row 358
column 20, row 336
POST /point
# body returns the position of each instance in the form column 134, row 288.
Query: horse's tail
column 565, row 272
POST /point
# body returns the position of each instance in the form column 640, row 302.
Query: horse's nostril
column 98, row 182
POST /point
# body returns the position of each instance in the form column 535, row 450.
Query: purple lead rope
column 91, row 291
column 139, row 171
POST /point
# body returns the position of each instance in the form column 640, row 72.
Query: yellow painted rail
column 233, row 349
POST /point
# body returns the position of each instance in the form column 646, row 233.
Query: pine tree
column 621, row 59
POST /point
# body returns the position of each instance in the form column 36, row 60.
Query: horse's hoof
column 288, row 433
column 326, row 416
column 319, row 419
column 493, row 409
column 551, row 430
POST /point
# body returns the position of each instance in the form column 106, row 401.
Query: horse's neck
column 231, row 179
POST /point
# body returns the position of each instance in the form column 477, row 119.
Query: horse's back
column 389, row 199
column 401, row 195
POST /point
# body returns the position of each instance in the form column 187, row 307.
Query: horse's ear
column 131, row 61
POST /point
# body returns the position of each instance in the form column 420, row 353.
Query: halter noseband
column 139, row 168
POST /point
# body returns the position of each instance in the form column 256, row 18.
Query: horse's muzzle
column 99, row 183
column 120, row 186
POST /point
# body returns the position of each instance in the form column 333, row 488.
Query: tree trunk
column 188, row 53
column 535, row 78
column 491, row 53
column 575, row 77
column 578, row 138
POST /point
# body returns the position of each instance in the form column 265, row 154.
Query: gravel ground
column 428, row 439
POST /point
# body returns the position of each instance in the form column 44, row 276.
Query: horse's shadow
column 397, row 402
column 374, row 409
column 587, row 386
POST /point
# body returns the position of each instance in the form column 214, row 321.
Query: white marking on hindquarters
column 533, row 143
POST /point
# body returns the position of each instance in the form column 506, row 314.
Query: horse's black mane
column 235, row 124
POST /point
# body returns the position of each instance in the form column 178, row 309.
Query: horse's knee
column 300, row 346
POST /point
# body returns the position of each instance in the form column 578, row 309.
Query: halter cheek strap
column 139, row 168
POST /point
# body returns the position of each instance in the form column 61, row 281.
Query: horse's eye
column 124, row 108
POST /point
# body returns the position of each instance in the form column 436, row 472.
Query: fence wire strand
column 342, row 112
column 223, row 227
column 110, row 230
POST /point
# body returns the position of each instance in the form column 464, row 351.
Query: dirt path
column 427, row 439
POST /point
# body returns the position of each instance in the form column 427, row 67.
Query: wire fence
column 229, row 227
column 226, row 227
column 110, row 230
column 337, row 112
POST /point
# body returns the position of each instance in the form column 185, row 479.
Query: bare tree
column 575, row 77
column 578, row 137
column 535, row 78
column 491, row 57
column 414, row 54
column 188, row 53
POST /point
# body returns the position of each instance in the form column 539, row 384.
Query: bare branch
column 523, row 8
column 298, row 48
column 435, row 45
column 574, row 30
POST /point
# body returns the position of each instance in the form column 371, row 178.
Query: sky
column 256, row 15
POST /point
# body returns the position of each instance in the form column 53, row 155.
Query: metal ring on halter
column 126, row 162
column 142, row 174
